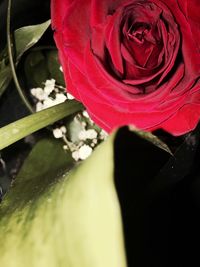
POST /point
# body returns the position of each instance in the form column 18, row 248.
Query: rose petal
column 84, row 28
column 72, row 21
column 190, row 33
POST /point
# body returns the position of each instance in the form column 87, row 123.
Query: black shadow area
column 160, row 215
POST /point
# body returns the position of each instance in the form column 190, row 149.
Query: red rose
column 132, row 62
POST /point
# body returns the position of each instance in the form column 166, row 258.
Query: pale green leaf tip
column 151, row 138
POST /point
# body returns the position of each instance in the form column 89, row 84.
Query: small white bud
column 82, row 135
column 84, row 152
column 57, row 133
column 60, row 98
column 49, row 86
column 63, row 129
column 85, row 114
column 69, row 96
column 39, row 106
column 91, row 134
column 75, row 155
column 48, row 103
column 38, row 93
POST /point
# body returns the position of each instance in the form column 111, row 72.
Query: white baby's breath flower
column 39, row 106
column 87, row 134
column 85, row 114
column 95, row 141
column 49, row 86
column 75, row 155
column 103, row 135
column 84, row 152
column 69, row 96
column 57, row 133
column 48, row 103
column 65, row 147
column 38, row 93
column 91, row 134
column 48, row 90
column 87, row 139
column 63, row 129
column 82, row 135
column 60, row 98
column 50, row 82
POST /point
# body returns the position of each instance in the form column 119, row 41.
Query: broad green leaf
column 54, row 67
column 71, row 220
column 35, row 68
column 23, row 127
column 25, row 38
column 41, row 65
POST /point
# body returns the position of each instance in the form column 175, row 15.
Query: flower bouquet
column 99, row 137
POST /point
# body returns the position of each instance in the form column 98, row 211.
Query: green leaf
column 41, row 65
column 23, row 127
column 54, row 67
column 151, row 138
column 36, row 70
column 74, row 219
column 5, row 77
column 25, row 38
column 28, row 36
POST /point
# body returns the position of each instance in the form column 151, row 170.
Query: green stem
column 12, row 65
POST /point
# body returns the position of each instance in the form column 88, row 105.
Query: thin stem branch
column 12, row 65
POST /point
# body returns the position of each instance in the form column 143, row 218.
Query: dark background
column 23, row 13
